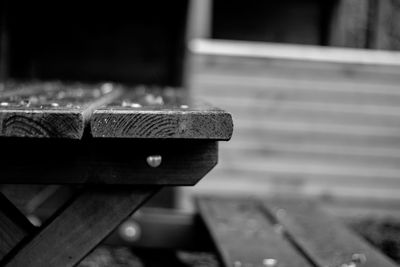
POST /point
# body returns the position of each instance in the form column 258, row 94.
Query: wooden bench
column 283, row 232
column 118, row 146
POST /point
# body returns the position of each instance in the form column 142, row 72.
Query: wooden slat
column 146, row 113
column 56, row 110
column 244, row 236
column 81, row 226
column 292, row 91
column 324, row 240
column 105, row 161
column 14, row 227
column 257, row 79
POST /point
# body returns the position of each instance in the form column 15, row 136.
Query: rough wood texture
column 152, row 113
column 386, row 25
column 244, row 236
column 51, row 109
column 325, row 241
column 81, row 226
column 349, row 24
column 14, row 227
column 105, row 161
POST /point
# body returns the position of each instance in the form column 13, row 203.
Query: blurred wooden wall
column 309, row 120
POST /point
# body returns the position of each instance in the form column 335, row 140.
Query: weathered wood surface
column 50, row 109
column 245, row 237
column 105, row 161
column 92, row 216
column 323, row 239
column 152, row 113
column 14, row 227
column 60, row 110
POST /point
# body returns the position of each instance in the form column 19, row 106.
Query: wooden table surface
column 121, row 145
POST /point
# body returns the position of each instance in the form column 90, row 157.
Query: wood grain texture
column 244, row 236
column 323, row 239
column 105, row 161
column 81, row 226
column 150, row 113
column 50, row 110
column 14, row 227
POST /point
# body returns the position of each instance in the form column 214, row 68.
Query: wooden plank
column 386, row 26
column 56, row 110
column 252, row 59
column 260, row 80
column 81, row 226
column 323, row 239
column 14, row 227
column 151, row 113
column 244, row 236
column 293, row 91
column 105, row 161
column 349, row 24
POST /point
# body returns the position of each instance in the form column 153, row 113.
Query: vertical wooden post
column 385, row 32
column 349, row 26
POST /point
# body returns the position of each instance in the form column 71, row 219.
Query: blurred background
column 313, row 86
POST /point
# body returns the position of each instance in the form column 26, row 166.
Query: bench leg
column 81, row 226
column 14, row 227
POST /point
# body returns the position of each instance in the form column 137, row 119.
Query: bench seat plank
column 244, row 236
column 154, row 113
column 323, row 239
column 92, row 216
column 51, row 109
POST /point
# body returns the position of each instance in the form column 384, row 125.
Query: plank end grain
column 51, row 109
column 152, row 113
column 169, row 124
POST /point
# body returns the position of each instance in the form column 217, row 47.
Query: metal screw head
column 129, row 231
column 55, row 104
column 184, row 106
column 270, row 262
column 350, row 264
column 359, row 258
column 154, row 161
column 4, row 104
column 237, row 264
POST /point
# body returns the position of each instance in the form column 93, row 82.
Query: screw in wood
column 129, row 231
column 270, row 262
column 184, row 106
column 4, row 104
column 154, row 161
column 55, row 104
column 237, row 264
